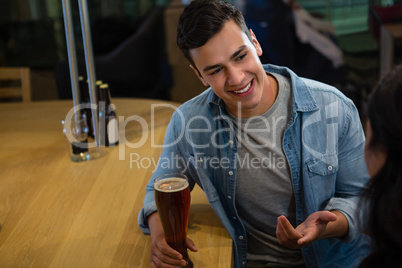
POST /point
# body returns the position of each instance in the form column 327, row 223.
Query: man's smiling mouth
column 244, row 89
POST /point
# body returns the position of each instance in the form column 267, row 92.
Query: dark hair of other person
column 384, row 190
column 201, row 20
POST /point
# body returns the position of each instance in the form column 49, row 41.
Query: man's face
column 229, row 63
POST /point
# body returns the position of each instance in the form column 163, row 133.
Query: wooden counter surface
column 57, row 213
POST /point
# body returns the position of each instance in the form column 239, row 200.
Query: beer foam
column 170, row 185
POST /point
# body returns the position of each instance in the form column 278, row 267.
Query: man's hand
column 319, row 225
column 162, row 255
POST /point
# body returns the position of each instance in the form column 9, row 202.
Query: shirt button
column 243, row 263
column 229, row 197
column 230, row 141
column 329, row 167
column 241, row 237
column 230, row 173
column 234, row 218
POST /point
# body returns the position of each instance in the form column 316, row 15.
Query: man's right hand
column 162, row 255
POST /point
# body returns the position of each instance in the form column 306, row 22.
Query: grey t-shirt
column 264, row 189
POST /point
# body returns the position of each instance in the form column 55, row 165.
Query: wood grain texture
column 57, row 213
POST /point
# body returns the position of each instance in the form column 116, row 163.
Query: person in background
column 274, row 23
column 383, row 155
column 279, row 157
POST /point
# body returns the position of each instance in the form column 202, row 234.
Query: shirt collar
column 303, row 100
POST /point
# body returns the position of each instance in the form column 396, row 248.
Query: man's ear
column 198, row 75
column 256, row 43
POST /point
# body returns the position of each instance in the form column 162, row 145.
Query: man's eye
column 217, row 70
column 241, row 57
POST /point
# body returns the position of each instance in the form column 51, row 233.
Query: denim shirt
column 323, row 143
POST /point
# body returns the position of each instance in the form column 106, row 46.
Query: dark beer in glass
column 172, row 198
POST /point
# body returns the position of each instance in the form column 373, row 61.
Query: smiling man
column 230, row 65
column 279, row 157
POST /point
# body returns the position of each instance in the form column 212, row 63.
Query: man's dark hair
column 201, row 20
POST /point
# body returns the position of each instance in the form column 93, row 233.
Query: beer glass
column 172, row 198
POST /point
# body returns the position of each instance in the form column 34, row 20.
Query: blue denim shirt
column 323, row 143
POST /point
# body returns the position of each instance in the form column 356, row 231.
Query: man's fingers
column 286, row 234
column 190, row 245
column 279, row 231
column 307, row 239
column 288, row 228
column 157, row 263
column 165, row 249
column 311, row 234
column 162, row 255
column 162, row 260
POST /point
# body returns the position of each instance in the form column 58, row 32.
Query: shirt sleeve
column 352, row 174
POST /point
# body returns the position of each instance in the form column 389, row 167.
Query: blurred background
column 134, row 45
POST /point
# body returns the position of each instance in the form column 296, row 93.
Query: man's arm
column 352, row 174
column 342, row 221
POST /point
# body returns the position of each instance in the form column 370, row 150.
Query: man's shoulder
column 322, row 91
column 307, row 91
column 318, row 87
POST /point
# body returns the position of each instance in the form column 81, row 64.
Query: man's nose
column 235, row 75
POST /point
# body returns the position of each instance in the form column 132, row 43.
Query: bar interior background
column 32, row 34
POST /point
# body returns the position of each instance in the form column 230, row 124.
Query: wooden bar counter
column 57, row 213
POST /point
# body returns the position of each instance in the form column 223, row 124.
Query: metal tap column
column 89, row 61
column 72, row 57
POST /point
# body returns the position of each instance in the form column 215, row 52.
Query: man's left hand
column 306, row 233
